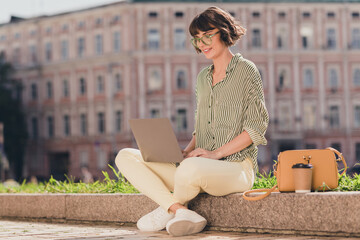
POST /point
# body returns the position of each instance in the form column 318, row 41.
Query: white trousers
column 167, row 184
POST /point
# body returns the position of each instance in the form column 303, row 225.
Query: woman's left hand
column 199, row 152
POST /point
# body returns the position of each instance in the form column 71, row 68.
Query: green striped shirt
column 233, row 105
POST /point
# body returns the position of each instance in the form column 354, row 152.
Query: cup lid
column 302, row 165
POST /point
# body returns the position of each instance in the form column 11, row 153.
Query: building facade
column 85, row 73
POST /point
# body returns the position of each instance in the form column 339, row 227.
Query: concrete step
column 328, row 214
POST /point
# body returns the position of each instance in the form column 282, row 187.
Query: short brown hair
column 214, row 17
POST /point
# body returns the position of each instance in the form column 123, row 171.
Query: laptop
column 156, row 140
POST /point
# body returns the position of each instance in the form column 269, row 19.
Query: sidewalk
column 41, row 230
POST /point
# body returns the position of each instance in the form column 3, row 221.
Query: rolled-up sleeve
column 256, row 121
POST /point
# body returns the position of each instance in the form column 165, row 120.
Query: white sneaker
column 186, row 222
column 155, row 220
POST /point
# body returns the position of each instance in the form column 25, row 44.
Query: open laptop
column 156, row 140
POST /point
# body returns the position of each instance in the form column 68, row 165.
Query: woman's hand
column 199, row 152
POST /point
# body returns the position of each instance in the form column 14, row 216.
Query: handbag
column 325, row 170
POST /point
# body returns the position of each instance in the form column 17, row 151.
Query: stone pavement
column 25, row 230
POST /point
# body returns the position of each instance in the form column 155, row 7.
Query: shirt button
column 213, row 137
column 209, row 106
column 209, row 122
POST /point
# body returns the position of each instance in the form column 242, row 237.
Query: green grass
column 120, row 185
column 69, row 186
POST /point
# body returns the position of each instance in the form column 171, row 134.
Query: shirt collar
column 234, row 60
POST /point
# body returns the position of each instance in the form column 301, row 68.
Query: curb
column 322, row 214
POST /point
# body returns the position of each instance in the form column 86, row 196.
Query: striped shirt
column 233, row 105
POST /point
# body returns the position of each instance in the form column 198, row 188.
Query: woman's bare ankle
column 173, row 208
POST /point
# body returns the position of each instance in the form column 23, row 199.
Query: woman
column 231, row 120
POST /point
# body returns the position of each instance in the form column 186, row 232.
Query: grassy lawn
column 346, row 183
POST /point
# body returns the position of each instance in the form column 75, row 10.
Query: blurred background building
column 85, row 73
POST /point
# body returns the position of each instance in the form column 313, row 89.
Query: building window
column 117, row 41
column 83, row 124
column 331, row 38
column 283, row 79
column 355, row 14
column 100, row 85
column 118, row 82
column 50, row 123
column 34, row 128
column 34, row 92
column 66, row 125
column 16, row 56
column 357, row 154
column 181, row 79
column 285, row 117
column 256, row 38
column 306, row 15
column 282, row 35
column 281, row 14
column 155, row 81
column 33, row 54
column 356, row 77
column 181, row 120
column 84, row 159
column 333, row 79
column 331, row 15
column 81, row 47
column 65, row 27
column 153, row 14
column 65, row 88
column 334, row 117
column 98, row 21
column 179, row 39
column 101, row 159
column 98, row 44
column 118, row 121
column 308, row 78
column 154, row 113
column 49, row 90
column 48, row 51
column 309, row 116
column 64, row 49
column 101, row 122
column 355, row 38
column 357, row 116
column 179, row 14
column 82, row 86
column 256, row 14
column 81, row 25
column 153, row 39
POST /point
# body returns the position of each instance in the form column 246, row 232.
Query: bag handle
column 262, row 196
column 340, row 158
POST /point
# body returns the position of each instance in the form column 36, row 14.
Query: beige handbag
column 325, row 170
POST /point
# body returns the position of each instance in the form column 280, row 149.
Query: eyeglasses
column 206, row 39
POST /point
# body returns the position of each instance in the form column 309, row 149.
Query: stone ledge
column 331, row 213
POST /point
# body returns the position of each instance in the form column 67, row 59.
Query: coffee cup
column 302, row 177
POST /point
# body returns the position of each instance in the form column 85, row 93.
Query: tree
column 13, row 118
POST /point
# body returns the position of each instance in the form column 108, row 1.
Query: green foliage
column 120, row 185
column 108, row 185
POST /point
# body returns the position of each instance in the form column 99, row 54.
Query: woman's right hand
column 184, row 153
